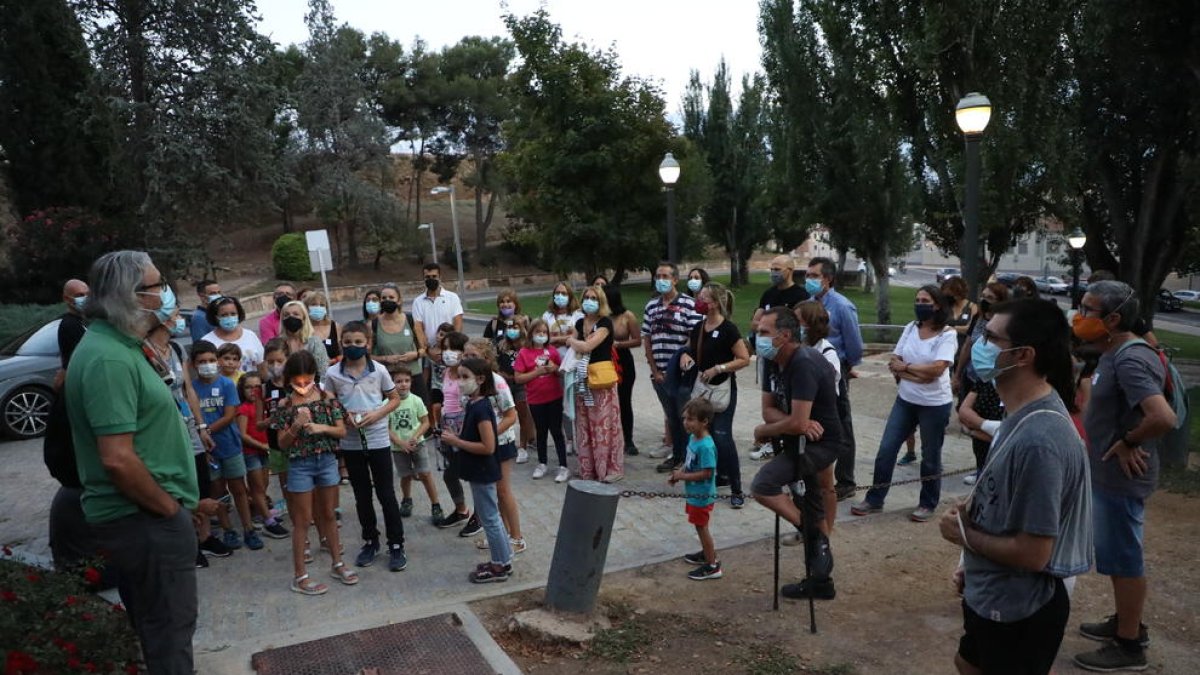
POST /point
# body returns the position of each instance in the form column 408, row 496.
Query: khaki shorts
column 411, row 463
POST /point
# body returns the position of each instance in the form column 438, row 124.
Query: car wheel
column 25, row 412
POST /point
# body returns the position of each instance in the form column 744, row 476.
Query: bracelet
column 202, row 427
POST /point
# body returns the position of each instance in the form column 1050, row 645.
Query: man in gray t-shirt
column 1026, row 524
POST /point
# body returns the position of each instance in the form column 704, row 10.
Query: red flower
column 87, row 616
column 118, row 607
column 90, row 667
column 131, row 668
column 73, row 663
column 19, row 662
column 72, row 600
column 33, row 577
column 70, row 648
column 92, row 576
column 8, row 596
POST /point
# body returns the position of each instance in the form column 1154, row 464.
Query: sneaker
column 397, row 561
column 1106, row 630
column 451, row 520
column 613, row 478
column 405, row 508
column 631, row 450
column 864, row 508
column 790, row 539
column 539, row 471
column 764, row 452
column 921, row 515
column 522, row 455
column 201, row 561
column 906, row 460
column 706, row 572
column 252, row 540
column 737, row 501
column 667, row 466
column 661, row 451
column 821, row 590
column 215, row 547
column 257, row 521
column 472, row 528
column 845, row 492
column 231, row 540
column 1111, row 658
column 563, row 475
column 517, row 545
column 435, row 514
column 490, row 572
column 367, row 555
column 970, row 478
column 275, row 530
column 696, row 558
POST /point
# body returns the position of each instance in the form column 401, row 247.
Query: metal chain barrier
column 648, row 494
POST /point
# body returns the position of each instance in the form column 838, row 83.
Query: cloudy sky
column 658, row 39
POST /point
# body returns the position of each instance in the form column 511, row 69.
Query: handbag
column 717, row 394
column 601, row 375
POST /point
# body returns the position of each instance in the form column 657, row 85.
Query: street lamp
column 668, row 171
column 442, row 189
column 972, row 114
column 1076, row 240
column 432, row 242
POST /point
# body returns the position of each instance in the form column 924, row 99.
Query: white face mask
column 468, row 386
column 208, row 369
column 450, row 357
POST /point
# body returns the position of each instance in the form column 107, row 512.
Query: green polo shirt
column 112, row 389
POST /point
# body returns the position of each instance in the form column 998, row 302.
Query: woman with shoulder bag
column 598, row 439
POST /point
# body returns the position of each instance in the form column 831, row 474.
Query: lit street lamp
column 972, row 115
column 432, row 242
column 668, row 171
column 1076, row 240
column 442, row 189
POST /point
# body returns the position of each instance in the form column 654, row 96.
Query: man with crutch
column 800, row 416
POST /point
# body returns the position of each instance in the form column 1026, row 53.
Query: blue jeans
column 903, row 420
column 487, row 508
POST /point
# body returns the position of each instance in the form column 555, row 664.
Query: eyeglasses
column 145, row 287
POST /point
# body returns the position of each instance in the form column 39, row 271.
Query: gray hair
column 1117, row 296
column 114, row 280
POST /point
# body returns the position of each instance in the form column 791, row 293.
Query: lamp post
column 441, row 189
column 432, row 242
column 668, row 171
column 1076, row 240
column 972, row 114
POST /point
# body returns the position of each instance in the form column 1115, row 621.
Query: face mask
column 1088, row 328
column 431, row 284
column 590, row 306
column 507, row 312
column 354, row 352
column 179, row 327
column 540, row 339
column 303, row 388
column 923, row 312
column 813, row 286
column 214, row 297
column 984, row 355
column 317, row 313
column 372, row 307
column 694, row 285
column 275, row 372
column 776, row 278
column 560, row 300
column 468, row 386
column 281, row 300
column 702, row 307
column 985, row 306
column 389, row 306
column 450, row 357
column 167, row 296
column 1018, row 293
column 293, row 324
column 79, row 302
column 208, row 369
column 512, row 333
column 765, row 347
column 228, row 322
column 663, row 285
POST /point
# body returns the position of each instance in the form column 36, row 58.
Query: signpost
column 319, row 257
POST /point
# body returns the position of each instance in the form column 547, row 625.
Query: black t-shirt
column 471, row 467
column 807, row 377
column 58, row 448
column 70, row 331
column 333, row 346
column 603, row 351
column 710, row 347
column 787, row 297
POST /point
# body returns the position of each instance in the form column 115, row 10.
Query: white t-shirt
column 914, row 350
column 433, row 312
column 561, row 324
column 830, row 353
column 252, row 348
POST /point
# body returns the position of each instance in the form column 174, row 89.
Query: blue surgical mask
column 512, row 333
column 214, row 297
column 765, row 347
column 179, row 327
column 372, row 307
column 169, row 305
column 694, row 285
column 353, row 352
column 228, row 322
column 590, row 306
column 79, row 302
column 924, row 312
column 813, row 286
column 541, row 339
column 984, row 355
column 560, row 300
column 317, row 313
column 663, row 285
column 208, row 370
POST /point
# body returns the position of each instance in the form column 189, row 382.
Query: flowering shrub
column 51, row 623
column 53, row 244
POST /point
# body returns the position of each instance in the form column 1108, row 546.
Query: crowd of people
column 165, row 446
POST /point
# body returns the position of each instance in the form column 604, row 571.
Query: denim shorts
column 305, row 473
column 254, row 461
column 1117, row 522
column 229, row 468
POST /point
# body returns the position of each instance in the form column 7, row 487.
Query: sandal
column 344, row 574
column 325, row 546
column 304, row 586
column 308, row 556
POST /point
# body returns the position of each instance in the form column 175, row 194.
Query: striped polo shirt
column 668, row 326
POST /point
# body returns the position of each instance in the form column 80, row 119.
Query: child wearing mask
column 251, row 422
column 536, row 369
column 451, row 415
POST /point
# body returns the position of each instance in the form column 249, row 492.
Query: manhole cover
column 430, row 646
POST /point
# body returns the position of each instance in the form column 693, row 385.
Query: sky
column 661, row 40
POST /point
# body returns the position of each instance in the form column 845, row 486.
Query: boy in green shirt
column 407, row 426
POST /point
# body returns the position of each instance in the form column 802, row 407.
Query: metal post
column 584, row 529
column 672, row 243
column 1075, row 254
column 462, row 286
column 433, row 243
column 970, row 244
column 775, row 604
column 321, row 253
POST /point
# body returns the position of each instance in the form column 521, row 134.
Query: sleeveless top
column 401, row 342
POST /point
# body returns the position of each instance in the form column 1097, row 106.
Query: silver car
column 27, row 367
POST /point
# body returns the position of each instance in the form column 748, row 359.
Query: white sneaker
column 563, row 474
column 661, row 452
column 522, row 456
column 970, row 478
column 764, row 452
column 539, row 471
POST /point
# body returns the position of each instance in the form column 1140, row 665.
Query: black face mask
column 431, row 284
column 293, row 324
column 985, row 306
column 389, row 306
column 281, row 300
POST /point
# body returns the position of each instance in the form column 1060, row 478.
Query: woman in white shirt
column 227, row 315
column 921, row 365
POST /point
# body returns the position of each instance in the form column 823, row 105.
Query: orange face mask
column 302, row 387
column 1088, row 328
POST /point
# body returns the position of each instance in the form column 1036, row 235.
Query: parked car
column 1052, row 285
column 1187, row 296
column 27, row 367
column 1080, row 289
column 946, row 273
column 1007, row 278
column 1168, row 302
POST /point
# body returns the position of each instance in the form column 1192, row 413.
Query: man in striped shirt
column 666, row 323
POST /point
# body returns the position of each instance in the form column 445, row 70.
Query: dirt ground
column 895, row 610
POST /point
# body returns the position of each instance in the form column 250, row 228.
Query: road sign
column 319, row 258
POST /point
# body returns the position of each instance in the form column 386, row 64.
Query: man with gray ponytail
column 135, row 458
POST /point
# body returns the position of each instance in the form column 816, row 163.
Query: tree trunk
column 744, row 267
column 618, row 275
column 883, row 303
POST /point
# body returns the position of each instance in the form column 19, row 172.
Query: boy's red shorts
column 699, row 515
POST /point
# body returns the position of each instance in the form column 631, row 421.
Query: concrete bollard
column 584, row 529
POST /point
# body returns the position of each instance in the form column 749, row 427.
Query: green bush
column 289, row 256
column 16, row 319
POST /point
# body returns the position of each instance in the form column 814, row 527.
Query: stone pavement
column 246, row 606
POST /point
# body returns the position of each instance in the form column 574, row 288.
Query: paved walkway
column 245, row 604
